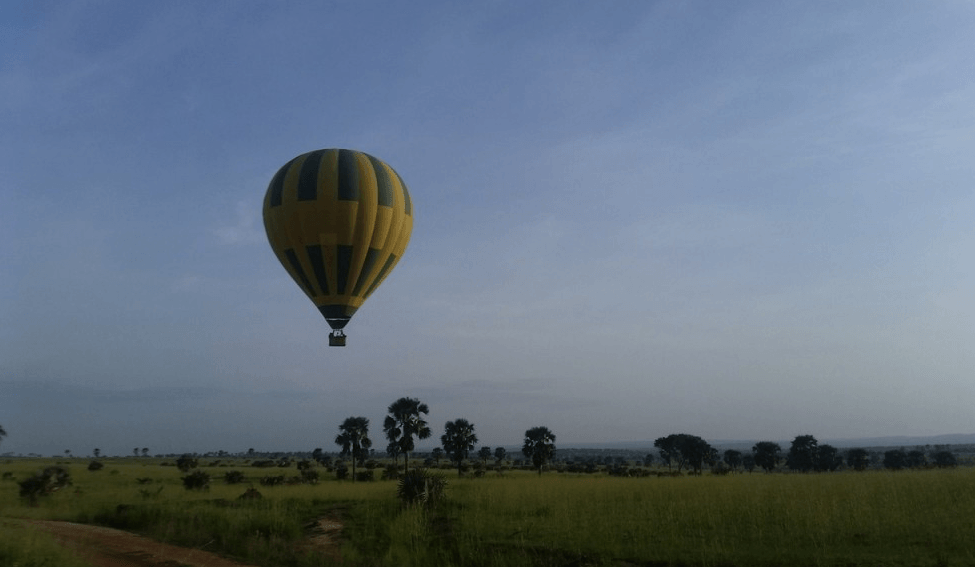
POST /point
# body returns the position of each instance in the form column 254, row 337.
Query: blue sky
column 745, row 220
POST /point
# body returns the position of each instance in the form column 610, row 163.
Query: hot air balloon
column 338, row 221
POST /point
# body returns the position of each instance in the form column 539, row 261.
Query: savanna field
column 906, row 517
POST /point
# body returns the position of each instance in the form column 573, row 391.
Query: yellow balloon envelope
column 338, row 221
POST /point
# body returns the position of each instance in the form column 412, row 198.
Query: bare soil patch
column 107, row 547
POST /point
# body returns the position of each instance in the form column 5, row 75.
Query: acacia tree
column 684, row 449
column 539, row 446
column 458, row 440
column 499, row 454
column 828, row 458
column 766, row 454
column 733, row 459
column 858, row 459
column 354, row 440
column 404, row 422
column 802, row 453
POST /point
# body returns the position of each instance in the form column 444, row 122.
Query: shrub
column 95, row 466
column 419, row 486
column 44, row 483
column 233, row 477
column 309, row 476
column 365, row 476
column 272, row 480
column 197, row 480
column 250, row 494
column 390, row 472
column 186, row 463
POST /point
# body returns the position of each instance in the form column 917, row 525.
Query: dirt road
column 106, row 547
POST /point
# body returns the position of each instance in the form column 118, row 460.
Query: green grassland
column 923, row 517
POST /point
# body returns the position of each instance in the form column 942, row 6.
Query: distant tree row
column 805, row 455
column 406, row 421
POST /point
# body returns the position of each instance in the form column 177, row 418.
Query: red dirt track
column 107, row 547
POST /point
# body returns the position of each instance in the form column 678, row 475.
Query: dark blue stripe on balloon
column 308, row 177
column 371, row 256
column 303, row 279
column 343, row 257
column 382, row 273
column 383, row 183
column 348, row 176
column 318, row 266
column 406, row 196
column 276, row 188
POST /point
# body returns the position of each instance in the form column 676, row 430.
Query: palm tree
column 404, row 422
column 539, row 446
column 458, row 440
column 354, row 439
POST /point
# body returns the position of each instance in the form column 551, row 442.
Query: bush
column 44, row 483
column 250, row 494
column 271, row 480
column 309, row 476
column 233, row 477
column 95, row 466
column 390, row 472
column 419, row 486
column 365, row 476
column 186, row 463
column 197, row 480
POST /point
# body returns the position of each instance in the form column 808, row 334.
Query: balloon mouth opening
column 337, row 323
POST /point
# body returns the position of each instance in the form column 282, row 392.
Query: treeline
column 805, row 454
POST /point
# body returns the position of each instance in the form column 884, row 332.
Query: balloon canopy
column 338, row 221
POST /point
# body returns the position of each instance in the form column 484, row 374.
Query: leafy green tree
column 458, row 441
column 686, row 450
column 766, row 454
column 44, row 483
column 916, row 459
column 945, row 459
column 354, row 440
column 669, row 452
column 484, row 454
column 858, row 459
column 732, row 458
column 437, row 454
column 316, row 455
column 539, row 446
column 393, row 449
column 499, row 454
column 802, row 453
column 827, row 458
column 404, row 422
column 895, row 459
column 3, row 433
column 748, row 462
column 185, row 463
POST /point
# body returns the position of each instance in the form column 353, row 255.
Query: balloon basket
column 336, row 339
